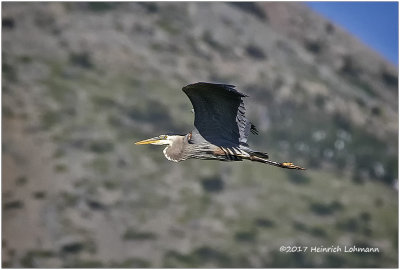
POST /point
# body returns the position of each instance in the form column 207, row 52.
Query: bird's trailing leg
column 286, row 165
column 290, row 165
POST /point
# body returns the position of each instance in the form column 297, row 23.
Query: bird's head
column 159, row 140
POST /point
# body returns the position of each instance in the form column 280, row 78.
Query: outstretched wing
column 219, row 113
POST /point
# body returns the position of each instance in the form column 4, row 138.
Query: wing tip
column 253, row 129
column 228, row 87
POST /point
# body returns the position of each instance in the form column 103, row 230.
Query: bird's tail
column 260, row 154
column 263, row 158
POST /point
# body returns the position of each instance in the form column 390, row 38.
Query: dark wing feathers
column 219, row 113
column 253, row 128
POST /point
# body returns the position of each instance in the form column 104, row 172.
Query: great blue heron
column 221, row 128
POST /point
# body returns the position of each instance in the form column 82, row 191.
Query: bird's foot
column 290, row 165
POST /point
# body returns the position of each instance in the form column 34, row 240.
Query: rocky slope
column 82, row 81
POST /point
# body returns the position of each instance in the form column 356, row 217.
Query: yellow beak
column 148, row 141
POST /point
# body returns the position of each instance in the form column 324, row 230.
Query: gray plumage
column 221, row 128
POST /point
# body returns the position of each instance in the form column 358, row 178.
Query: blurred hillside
column 83, row 81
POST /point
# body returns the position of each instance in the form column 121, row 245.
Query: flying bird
column 220, row 128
